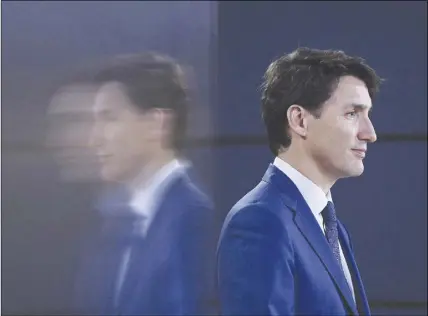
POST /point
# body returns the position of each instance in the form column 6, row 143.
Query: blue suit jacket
column 273, row 258
column 171, row 269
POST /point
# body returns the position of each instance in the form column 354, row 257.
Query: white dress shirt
column 146, row 197
column 144, row 202
column 317, row 200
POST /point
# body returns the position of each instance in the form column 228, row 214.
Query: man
column 282, row 251
column 154, row 253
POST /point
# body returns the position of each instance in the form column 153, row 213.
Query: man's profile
column 282, row 250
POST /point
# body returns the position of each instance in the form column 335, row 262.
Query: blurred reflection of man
column 155, row 252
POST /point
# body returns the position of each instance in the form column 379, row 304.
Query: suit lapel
column 311, row 231
column 146, row 257
column 363, row 306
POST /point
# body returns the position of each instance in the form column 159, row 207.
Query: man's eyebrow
column 360, row 106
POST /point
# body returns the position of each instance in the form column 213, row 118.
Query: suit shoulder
column 262, row 200
column 252, row 217
column 189, row 197
column 252, row 212
column 197, row 194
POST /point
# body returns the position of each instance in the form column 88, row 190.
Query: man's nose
column 367, row 132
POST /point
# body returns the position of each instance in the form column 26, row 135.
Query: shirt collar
column 313, row 194
column 146, row 196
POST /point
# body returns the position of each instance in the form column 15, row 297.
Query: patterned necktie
column 331, row 232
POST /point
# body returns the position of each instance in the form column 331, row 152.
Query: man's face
column 123, row 137
column 70, row 121
column 337, row 140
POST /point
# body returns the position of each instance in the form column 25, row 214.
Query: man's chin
column 111, row 175
column 356, row 171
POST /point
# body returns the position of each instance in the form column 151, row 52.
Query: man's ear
column 161, row 121
column 298, row 119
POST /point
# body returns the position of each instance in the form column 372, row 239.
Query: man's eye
column 352, row 114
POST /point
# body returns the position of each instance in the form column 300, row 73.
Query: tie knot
column 329, row 213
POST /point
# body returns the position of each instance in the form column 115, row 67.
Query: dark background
column 228, row 45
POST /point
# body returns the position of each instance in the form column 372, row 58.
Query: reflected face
column 122, row 136
column 69, row 125
column 338, row 139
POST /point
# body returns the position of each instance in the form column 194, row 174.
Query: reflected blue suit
column 171, row 269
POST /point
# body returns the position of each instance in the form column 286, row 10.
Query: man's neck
column 146, row 172
column 306, row 166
